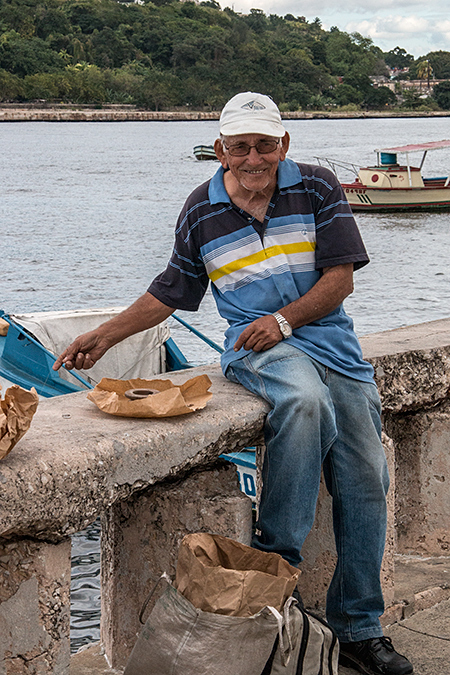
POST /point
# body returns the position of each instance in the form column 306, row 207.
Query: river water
column 87, row 213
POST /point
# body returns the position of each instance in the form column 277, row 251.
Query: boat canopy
column 420, row 147
column 388, row 156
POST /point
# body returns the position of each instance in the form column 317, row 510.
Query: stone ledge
column 412, row 365
column 76, row 461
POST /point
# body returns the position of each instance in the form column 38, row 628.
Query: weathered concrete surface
column 76, row 461
column 141, row 538
column 34, row 607
column 63, row 474
column 107, row 114
column 35, row 112
column 412, row 369
column 422, row 441
column 412, row 365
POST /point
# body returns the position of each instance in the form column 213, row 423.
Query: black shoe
column 376, row 656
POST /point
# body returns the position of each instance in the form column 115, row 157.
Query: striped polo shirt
column 257, row 268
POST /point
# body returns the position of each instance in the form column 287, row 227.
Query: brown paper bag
column 16, row 412
column 217, row 574
column 4, row 326
column 109, row 396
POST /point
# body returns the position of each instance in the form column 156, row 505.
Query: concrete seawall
column 117, row 113
column 152, row 481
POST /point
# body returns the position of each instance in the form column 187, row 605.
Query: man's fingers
column 242, row 339
column 58, row 363
column 66, row 359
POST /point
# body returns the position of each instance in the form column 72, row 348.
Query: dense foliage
column 167, row 53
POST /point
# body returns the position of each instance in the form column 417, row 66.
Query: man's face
column 254, row 172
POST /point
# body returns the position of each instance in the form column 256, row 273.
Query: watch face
column 286, row 330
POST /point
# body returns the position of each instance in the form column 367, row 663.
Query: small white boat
column 204, row 152
column 390, row 186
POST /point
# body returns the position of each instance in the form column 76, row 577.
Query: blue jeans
column 320, row 417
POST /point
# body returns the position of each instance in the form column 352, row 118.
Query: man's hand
column 87, row 349
column 335, row 284
column 260, row 335
column 84, row 352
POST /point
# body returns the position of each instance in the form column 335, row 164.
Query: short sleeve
column 184, row 282
column 338, row 240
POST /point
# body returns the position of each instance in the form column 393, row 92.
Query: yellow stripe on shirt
column 254, row 258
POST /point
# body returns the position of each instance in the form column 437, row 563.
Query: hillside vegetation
column 168, row 54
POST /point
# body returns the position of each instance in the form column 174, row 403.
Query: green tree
column 440, row 63
column 110, row 49
column 398, row 58
column 344, row 94
column 157, row 89
column 52, row 21
column 25, row 56
column 424, row 71
column 441, row 94
column 379, row 97
column 11, row 86
column 350, row 56
column 411, row 99
column 180, row 52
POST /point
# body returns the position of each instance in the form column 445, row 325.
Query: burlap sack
column 179, row 639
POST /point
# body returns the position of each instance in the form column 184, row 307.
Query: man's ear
column 285, row 146
column 220, row 153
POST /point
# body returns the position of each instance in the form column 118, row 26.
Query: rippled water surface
column 87, row 212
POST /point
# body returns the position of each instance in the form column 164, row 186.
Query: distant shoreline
column 118, row 113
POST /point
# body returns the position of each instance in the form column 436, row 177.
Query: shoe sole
column 350, row 662
column 356, row 665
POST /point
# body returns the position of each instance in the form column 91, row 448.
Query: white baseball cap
column 251, row 113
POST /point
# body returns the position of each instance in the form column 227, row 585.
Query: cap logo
column 253, row 105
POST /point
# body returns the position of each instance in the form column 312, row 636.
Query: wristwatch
column 284, row 325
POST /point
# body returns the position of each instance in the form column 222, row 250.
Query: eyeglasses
column 262, row 147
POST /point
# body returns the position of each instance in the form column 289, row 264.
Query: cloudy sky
column 415, row 25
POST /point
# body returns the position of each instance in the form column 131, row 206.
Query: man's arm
column 88, row 348
column 335, row 284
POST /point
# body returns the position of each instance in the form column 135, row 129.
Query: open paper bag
column 171, row 399
column 220, row 575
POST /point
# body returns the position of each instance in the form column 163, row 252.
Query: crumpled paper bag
column 16, row 412
column 218, row 574
column 4, row 326
column 172, row 400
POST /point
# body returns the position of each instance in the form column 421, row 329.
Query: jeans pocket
column 230, row 375
column 370, row 391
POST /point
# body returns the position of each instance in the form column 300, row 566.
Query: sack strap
column 283, row 621
column 168, row 580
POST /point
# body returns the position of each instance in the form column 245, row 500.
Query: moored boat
column 31, row 341
column 204, row 152
column 391, row 186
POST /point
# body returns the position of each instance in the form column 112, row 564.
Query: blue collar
column 288, row 174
